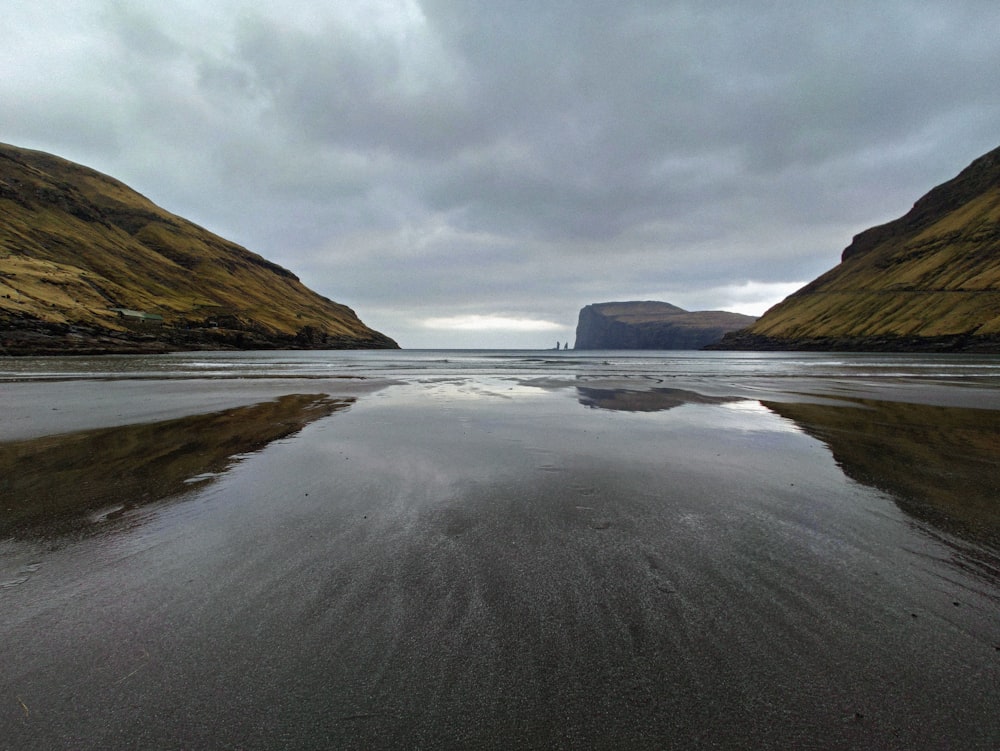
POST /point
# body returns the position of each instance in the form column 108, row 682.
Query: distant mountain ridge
column 928, row 281
column 89, row 265
column 652, row 325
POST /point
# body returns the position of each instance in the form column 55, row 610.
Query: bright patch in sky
column 489, row 323
column 753, row 298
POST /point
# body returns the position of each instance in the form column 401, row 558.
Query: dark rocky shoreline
column 39, row 338
column 744, row 341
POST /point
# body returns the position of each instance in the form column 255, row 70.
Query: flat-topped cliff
column 652, row 325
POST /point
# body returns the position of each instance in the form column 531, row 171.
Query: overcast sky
column 472, row 172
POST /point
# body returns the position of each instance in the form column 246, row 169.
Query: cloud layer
column 434, row 160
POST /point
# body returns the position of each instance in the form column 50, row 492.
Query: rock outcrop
column 87, row 265
column 928, row 281
column 652, row 325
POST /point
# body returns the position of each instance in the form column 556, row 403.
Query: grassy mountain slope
column 929, row 280
column 74, row 244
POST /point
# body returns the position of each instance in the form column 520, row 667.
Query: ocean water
column 521, row 363
column 714, row 369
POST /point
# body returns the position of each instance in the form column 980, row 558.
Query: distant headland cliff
column 652, row 325
column 928, row 281
column 87, row 265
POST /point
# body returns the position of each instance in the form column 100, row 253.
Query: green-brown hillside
column 75, row 245
column 929, row 280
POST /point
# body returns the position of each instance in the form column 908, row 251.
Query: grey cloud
column 137, row 33
column 428, row 156
column 369, row 94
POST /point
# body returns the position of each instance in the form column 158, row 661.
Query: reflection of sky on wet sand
column 937, row 463
column 460, row 563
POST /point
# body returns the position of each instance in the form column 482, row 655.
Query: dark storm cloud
column 436, row 158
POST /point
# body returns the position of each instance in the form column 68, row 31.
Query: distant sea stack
column 926, row 282
column 652, row 325
column 87, row 266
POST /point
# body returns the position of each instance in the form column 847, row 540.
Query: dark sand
column 477, row 565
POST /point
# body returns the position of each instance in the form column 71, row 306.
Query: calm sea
column 407, row 364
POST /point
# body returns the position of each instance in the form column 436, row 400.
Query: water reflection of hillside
column 54, row 485
column 941, row 465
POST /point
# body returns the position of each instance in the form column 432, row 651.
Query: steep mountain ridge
column 928, row 281
column 87, row 264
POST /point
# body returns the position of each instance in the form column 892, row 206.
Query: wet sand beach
column 445, row 559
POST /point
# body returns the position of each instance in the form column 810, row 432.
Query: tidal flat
column 500, row 550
